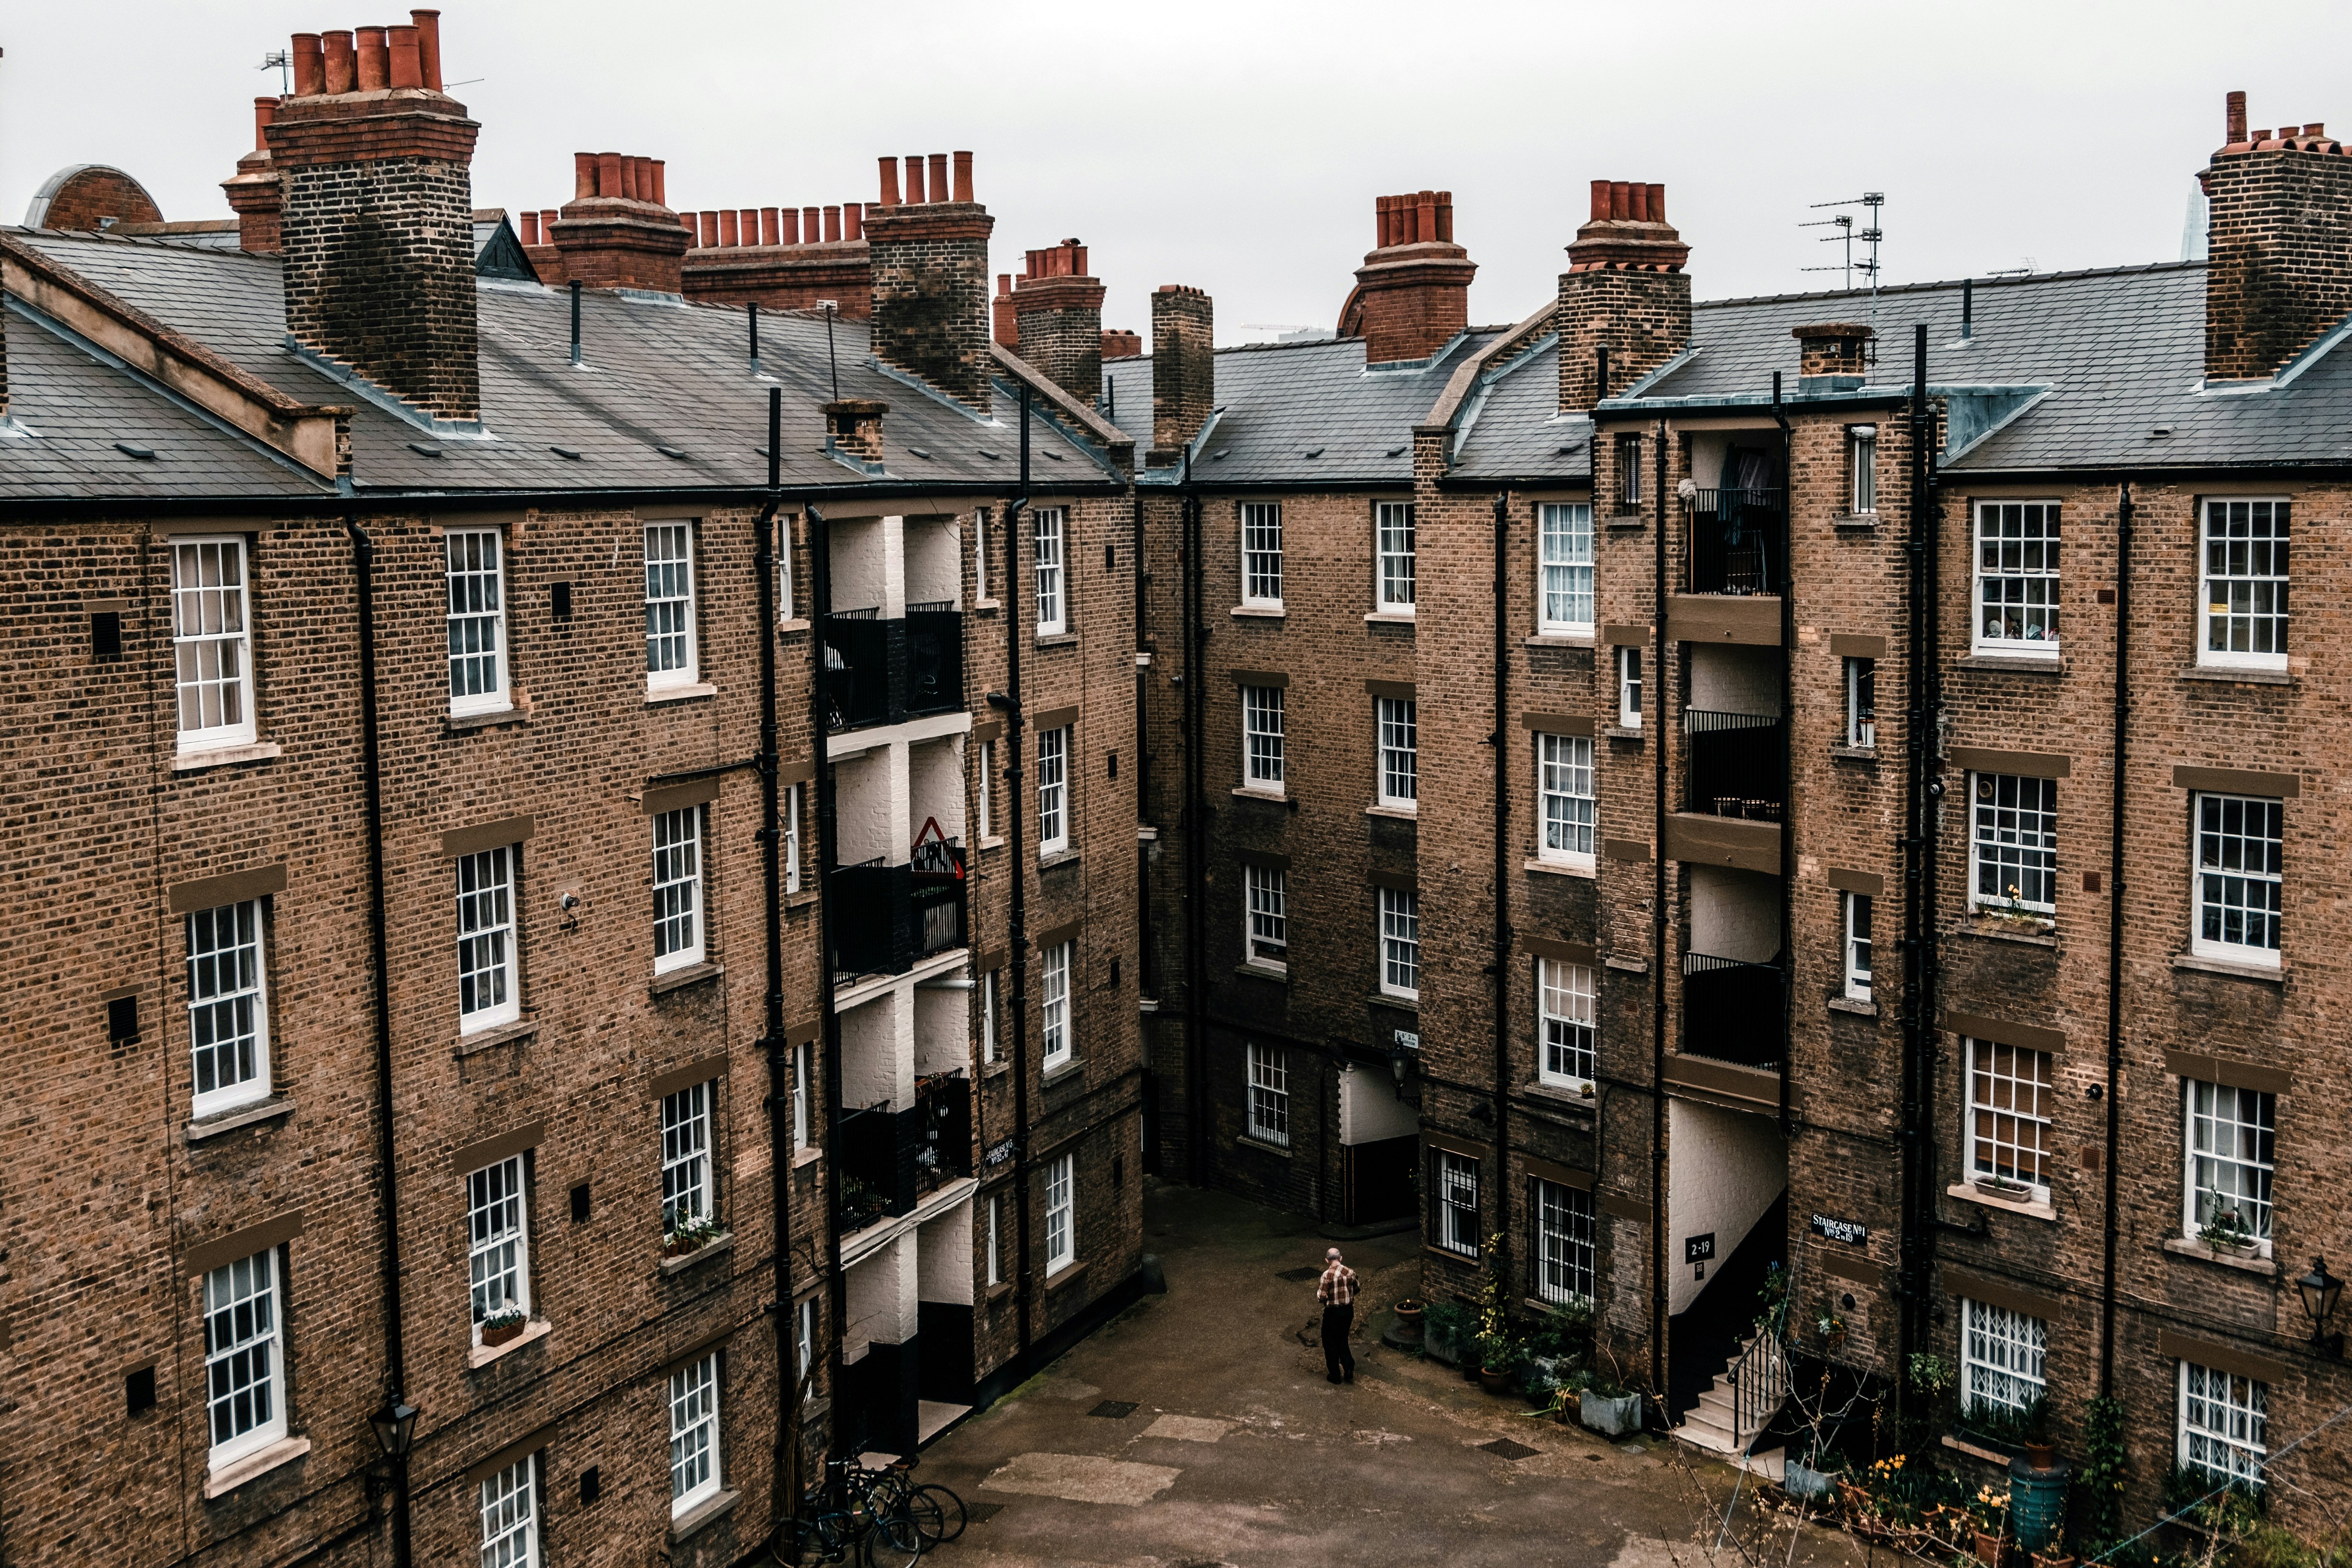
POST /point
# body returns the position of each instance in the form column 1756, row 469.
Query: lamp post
column 395, row 1431
column 2320, row 1290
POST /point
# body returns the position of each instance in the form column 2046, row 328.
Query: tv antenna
column 280, row 61
column 1870, row 233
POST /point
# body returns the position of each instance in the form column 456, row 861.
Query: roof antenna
column 282, row 61
column 828, row 307
column 1870, row 233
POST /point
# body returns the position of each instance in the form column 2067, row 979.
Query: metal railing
column 1732, row 765
column 1739, row 540
column 885, row 918
column 1760, row 1386
column 858, row 669
column 1732, row 1010
column 934, row 673
column 880, row 671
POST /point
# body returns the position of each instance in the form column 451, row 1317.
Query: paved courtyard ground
column 1238, row 1450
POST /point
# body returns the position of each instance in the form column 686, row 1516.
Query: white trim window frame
column 1862, row 703
column 1266, row 917
column 2222, row 1425
column 1862, row 465
column 688, row 1170
column 2014, row 842
column 1856, row 945
column 979, row 520
column 497, row 1241
column 672, row 659
column 1393, row 552
column 792, row 838
column 1567, row 1018
column 1399, row 931
column 1396, row 724
column 784, row 569
column 1053, row 1031
column 228, row 1008
column 995, row 1240
column 1454, row 1211
column 804, row 1341
column 212, row 643
column 1262, row 758
column 1564, row 569
column 509, row 1504
column 1054, row 791
column 1061, row 1215
column 1050, row 531
column 2238, row 888
column 1566, row 1261
column 474, row 572
column 2229, row 1149
column 2003, row 1353
column 1261, row 554
column 988, row 1017
column 1566, row 802
column 802, row 1118
column 244, row 1396
column 2241, row 583
column 489, row 945
column 1269, row 1095
column 984, row 793
column 2011, row 1094
column 1629, row 688
column 694, row 1468
column 2016, row 584
column 680, row 927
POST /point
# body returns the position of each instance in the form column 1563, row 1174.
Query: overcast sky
column 1238, row 146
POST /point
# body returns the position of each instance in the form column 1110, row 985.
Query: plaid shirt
column 1338, row 1286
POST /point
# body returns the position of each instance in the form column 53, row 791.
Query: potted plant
column 508, row 1323
column 1444, row 1329
column 2054, row 1555
column 1409, row 1313
column 2227, row 1232
column 1607, row 1407
column 1989, row 1514
column 689, row 1235
column 1816, row 1475
column 2010, row 914
column 1828, row 1325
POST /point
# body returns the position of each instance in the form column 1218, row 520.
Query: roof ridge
column 1989, row 281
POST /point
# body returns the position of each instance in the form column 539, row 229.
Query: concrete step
column 1720, row 1397
column 1702, row 1433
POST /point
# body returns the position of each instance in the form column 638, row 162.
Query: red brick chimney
column 1003, row 323
column 377, row 227
column 1625, row 289
column 781, row 258
column 1117, row 343
column 1057, row 311
column 930, row 278
column 1831, row 356
column 2279, row 254
column 1413, row 293
column 1184, row 369
column 617, row 230
column 253, row 191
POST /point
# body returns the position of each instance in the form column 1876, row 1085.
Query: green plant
column 1988, row 1511
column 2225, row 1504
column 2029, row 1423
column 1448, row 1323
column 507, row 1317
column 1564, row 1330
column 2227, row 1229
column 1772, row 1301
column 691, row 1234
column 1828, row 1325
column 2099, row 1479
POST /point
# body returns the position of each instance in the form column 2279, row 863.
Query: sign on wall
column 1843, row 1230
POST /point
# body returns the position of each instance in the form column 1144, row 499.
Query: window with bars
column 1564, row 568
column 1862, row 702
column 1061, row 1213
column 1053, row 790
column 210, row 643
column 2002, row 1356
column 1401, row 941
column 1857, row 947
column 497, row 1244
column 670, row 654
column 2243, row 576
column 1862, row 461
column 1267, row 889
column 2230, row 1160
column 1397, row 722
column 2017, row 577
column 1048, row 526
column 2240, row 848
column 1269, row 1095
column 685, row 1170
column 1628, row 475
column 2224, row 1424
column 244, row 1397
column 1454, row 1214
column 1629, row 688
column 1261, row 738
column 1564, row 1243
column 228, row 1014
column 1054, row 1004
column 1566, row 1013
column 476, row 615
column 509, row 1508
column 1393, row 528
column 1566, row 807
column 487, row 993
column 677, row 888
column 1262, row 554
column 694, row 1472
column 2010, row 1098
column 2014, row 842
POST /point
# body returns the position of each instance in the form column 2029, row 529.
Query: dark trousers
column 1337, row 1357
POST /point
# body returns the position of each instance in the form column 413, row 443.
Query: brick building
column 589, row 886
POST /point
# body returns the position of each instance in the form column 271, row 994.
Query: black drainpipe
column 1502, row 965
column 396, row 1358
column 1147, row 977
column 1017, row 807
column 2115, row 933
column 1788, row 587
column 1658, row 958
column 820, row 549
column 1925, row 791
column 1196, row 840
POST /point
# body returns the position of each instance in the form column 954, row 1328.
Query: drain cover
column 1114, row 1409
column 1295, row 1274
column 1503, row 1447
column 981, row 1512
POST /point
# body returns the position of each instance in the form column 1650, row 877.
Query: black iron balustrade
column 934, row 668
column 1739, row 540
column 1732, row 763
column 881, row 671
column 857, row 667
column 885, row 918
column 1732, row 1010
column 875, row 1166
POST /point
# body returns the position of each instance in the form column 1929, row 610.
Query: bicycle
column 857, row 1510
column 938, row 1512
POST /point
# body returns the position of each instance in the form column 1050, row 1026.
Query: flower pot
column 2007, row 1191
column 1408, row 1316
column 1801, row 1480
column 1988, row 1550
column 1495, row 1382
column 1855, row 1501
column 2054, row 1560
column 2040, row 1455
column 1610, row 1417
column 502, row 1334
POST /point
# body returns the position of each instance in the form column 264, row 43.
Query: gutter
column 820, row 549
column 2115, row 936
column 1017, row 807
column 1788, row 587
column 1658, row 1297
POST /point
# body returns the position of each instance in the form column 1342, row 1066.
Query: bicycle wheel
column 891, row 1542
column 924, row 1512
column 950, row 1507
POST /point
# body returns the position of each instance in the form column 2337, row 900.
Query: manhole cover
column 981, row 1512
column 1298, row 1274
column 1503, row 1447
column 1114, row 1409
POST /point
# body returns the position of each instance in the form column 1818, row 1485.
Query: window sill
column 1626, row 519
column 797, row 624
column 1563, row 869
column 1391, row 617
column 2032, row 1208
column 1447, row 1253
column 215, row 1125
column 1559, row 639
column 657, row 695
column 497, row 1034
column 1060, row 1073
column 1632, row 733
column 2014, row 663
column 1859, row 520
column 1628, row 965
column 482, row 1355
column 2229, row 675
column 679, row 979
column 1992, row 931
column 1058, row 639
column 1274, row 796
column 1057, row 859
column 1263, row 971
column 1070, row 1275
column 673, row 1267
column 260, row 1462
column 1144, row 834
column 1579, row 1097
column 467, row 724
column 1853, row 754
column 1401, row 1003
column 987, row 607
column 1859, row 1009
column 994, row 1293
column 995, row 843
column 801, row 901
column 803, row 1158
column 1976, row 1450
column 224, row 756
column 1259, row 611
column 708, row 1511
column 1281, row 1150
column 1401, row 813
column 996, row 1068
column 2190, row 1246
column 2273, row 974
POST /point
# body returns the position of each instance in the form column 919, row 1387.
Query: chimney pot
column 2315, row 129
column 812, row 226
column 1639, row 196
column 310, row 66
column 748, row 229
column 853, row 221
column 709, row 221
column 1003, row 283
column 1657, row 204
column 529, row 225
column 963, row 176
column 644, row 170
column 547, row 216
column 890, row 182
column 768, row 226
column 2234, row 118
column 341, row 62
column 374, row 60
column 1600, row 201
column 693, row 229
column 661, row 188
column 833, row 226
column 628, row 173
column 788, row 225
column 265, row 110
column 914, row 178
column 939, row 176
column 428, row 46
column 583, row 175
column 729, row 236
column 1620, row 200
column 405, row 69
column 608, row 173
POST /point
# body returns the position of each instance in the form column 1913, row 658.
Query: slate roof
column 1511, row 427
column 658, row 373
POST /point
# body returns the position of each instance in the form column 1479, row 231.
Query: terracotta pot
column 2061, row 1560
column 1494, row 1382
column 499, row 1336
column 2040, row 1455
column 1988, row 1550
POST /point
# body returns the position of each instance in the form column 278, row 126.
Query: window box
column 2008, row 1190
column 677, row 1260
column 483, row 1354
column 502, row 1327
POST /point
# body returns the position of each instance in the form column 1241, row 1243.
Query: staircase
column 1734, row 1408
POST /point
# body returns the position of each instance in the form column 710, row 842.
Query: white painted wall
column 944, row 1257
column 935, row 785
column 871, row 806
column 1723, row 1171
column 943, row 1026
column 881, row 1298
column 877, row 1051
column 934, row 554
column 1734, row 914
column 864, row 562
column 1370, row 1110
column 1730, row 679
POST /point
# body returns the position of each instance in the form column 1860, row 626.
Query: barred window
column 477, row 620
column 1053, row 606
column 2231, row 1134
column 1053, row 790
column 497, row 1248
column 1564, row 1252
column 1857, row 947
column 2009, row 1102
column 242, row 1357
column 1261, row 737
column 1862, row 702
column 1628, row 475
column 2002, row 1356
column 1393, row 529
column 1862, row 448
column 1455, row 1212
column 1570, row 812
column 686, row 1156
column 1061, row 1215
column 677, row 888
column 511, row 1515
column 211, row 647
column 694, row 1472
column 1261, row 553
column 1398, row 720
column 228, row 1017
column 1268, row 888
column 2014, row 842
column 1269, row 1096
column 487, row 993
column 670, row 654
column 1054, row 1004
column 1564, row 567
column 1565, row 1011
column 1401, row 941
column 2244, row 573
column 2241, row 845
column 2017, row 576
column 2224, row 1424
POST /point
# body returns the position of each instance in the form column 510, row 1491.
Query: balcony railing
column 1732, row 1010
column 1739, row 542
column 934, row 659
column 877, row 1163
column 879, row 672
column 1731, row 764
column 885, row 918
column 858, row 668
column 944, row 1117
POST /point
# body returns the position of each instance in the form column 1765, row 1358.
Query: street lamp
column 2320, row 1290
column 395, row 1427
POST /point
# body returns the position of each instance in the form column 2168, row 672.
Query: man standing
column 1337, row 1291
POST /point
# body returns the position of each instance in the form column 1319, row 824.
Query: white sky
column 1238, row 147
